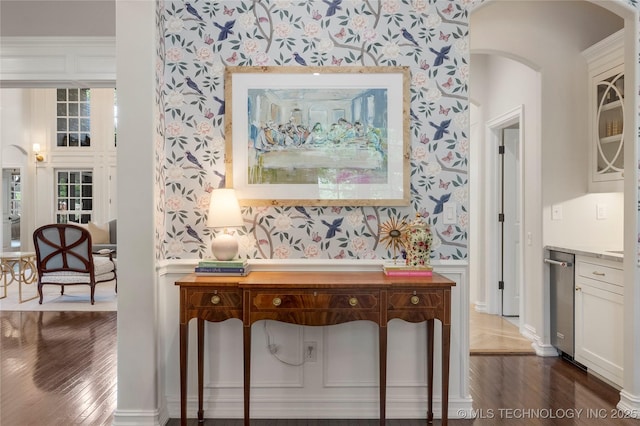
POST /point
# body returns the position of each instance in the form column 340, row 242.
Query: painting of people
column 293, row 139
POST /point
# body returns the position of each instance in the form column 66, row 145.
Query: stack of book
column 402, row 270
column 238, row 267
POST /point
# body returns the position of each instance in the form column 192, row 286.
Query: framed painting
column 318, row 136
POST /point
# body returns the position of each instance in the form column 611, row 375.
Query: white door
column 510, row 220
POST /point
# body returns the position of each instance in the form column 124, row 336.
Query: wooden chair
column 64, row 257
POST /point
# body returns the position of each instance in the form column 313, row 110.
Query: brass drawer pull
column 353, row 301
column 599, row 274
column 415, row 300
column 578, row 288
column 215, row 299
column 276, row 301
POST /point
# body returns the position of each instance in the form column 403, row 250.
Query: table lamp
column 224, row 212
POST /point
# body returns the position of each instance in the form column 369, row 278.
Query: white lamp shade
column 224, row 210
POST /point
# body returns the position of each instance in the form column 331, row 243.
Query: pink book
column 405, row 273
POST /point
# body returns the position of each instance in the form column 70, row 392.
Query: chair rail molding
column 57, row 61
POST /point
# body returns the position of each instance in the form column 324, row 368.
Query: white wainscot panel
column 224, row 349
column 350, row 354
column 95, row 64
column 224, row 339
column 407, row 362
column 40, row 64
column 281, row 369
column 42, row 61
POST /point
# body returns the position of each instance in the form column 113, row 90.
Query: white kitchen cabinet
column 599, row 317
column 605, row 62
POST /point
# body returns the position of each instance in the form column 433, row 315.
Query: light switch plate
column 601, row 211
column 449, row 217
column 556, row 212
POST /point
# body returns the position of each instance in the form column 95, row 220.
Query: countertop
column 599, row 253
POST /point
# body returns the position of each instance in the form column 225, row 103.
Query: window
column 74, row 196
column 15, row 196
column 73, row 117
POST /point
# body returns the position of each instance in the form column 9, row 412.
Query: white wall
column 548, row 36
column 506, row 85
column 140, row 367
column 477, row 285
column 27, row 116
column 15, row 151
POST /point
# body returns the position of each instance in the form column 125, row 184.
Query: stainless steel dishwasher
column 561, row 282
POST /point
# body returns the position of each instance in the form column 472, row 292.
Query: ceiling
column 57, row 18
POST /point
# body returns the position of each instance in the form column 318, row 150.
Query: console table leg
column 430, row 324
column 247, row 372
column 200, row 369
column 383, row 373
column 184, row 346
column 446, row 347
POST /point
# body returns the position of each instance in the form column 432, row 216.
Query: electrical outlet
column 310, row 351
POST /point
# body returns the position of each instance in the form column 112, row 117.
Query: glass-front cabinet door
column 605, row 68
column 609, row 145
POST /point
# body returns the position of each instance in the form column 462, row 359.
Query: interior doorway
column 495, row 327
column 505, row 143
column 509, row 220
column 11, row 208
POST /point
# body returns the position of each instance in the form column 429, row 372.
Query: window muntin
column 74, row 196
column 73, row 117
column 15, row 194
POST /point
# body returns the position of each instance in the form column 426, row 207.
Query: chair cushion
column 103, row 267
column 99, row 234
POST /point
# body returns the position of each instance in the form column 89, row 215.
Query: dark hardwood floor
column 59, row 368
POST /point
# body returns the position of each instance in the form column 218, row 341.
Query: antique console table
column 315, row 298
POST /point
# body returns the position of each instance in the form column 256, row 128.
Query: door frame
column 492, row 189
column 26, row 190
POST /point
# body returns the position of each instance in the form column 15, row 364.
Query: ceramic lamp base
column 224, row 247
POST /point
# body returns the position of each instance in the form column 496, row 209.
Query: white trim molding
column 57, row 62
column 139, row 418
column 629, row 405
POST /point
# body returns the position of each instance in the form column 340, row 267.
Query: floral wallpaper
column 201, row 38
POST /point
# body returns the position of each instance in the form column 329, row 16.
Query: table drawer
column 212, row 298
column 310, row 307
column 417, row 305
column 211, row 304
column 600, row 272
column 410, row 299
column 309, row 299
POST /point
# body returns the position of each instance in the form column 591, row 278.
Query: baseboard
column 139, row 418
column 480, row 307
column 322, row 408
column 541, row 348
column 629, row 405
